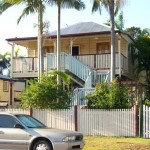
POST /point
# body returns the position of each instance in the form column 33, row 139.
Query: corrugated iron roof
column 79, row 29
column 4, row 77
column 82, row 28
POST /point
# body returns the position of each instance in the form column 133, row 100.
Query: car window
column 30, row 122
column 7, row 121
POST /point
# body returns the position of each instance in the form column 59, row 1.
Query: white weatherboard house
column 85, row 55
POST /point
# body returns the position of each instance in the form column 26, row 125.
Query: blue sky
column 136, row 13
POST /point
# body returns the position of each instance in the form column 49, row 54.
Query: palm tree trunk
column 40, row 41
column 112, row 41
column 58, row 43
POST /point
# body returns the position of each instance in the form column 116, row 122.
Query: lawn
column 115, row 143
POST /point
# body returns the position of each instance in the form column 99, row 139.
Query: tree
column 112, row 6
column 140, row 49
column 137, row 32
column 32, row 6
column 109, row 96
column 78, row 5
column 119, row 22
column 44, row 94
column 4, row 61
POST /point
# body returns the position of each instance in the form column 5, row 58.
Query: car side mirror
column 19, row 126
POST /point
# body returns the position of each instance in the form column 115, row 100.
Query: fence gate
column 146, row 121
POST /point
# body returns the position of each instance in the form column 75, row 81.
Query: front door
column 75, row 50
column 11, row 138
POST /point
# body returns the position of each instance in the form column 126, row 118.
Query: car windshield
column 30, row 122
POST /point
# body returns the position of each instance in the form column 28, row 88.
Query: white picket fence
column 146, row 121
column 88, row 121
column 107, row 122
column 61, row 119
column 16, row 111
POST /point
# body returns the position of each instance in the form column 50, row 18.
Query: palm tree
column 32, row 6
column 4, row 61
column 78, row 5
column 119, row 22
column 112, row 6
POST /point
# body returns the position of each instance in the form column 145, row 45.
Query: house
column 5, row 91
column 9, row 91
column 85, row 55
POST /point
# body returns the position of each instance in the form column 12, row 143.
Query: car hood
column 47, row 131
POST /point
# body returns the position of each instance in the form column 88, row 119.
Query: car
column 23, row 132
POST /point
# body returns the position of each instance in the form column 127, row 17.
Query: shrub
column 46, row 93
column 147, row 102
column 108, row 96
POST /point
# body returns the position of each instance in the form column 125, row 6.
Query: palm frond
column 28, row 10
column 4, row 6
column 31, row 8
column 96, row 6
column 14, row 1
column 77, row 4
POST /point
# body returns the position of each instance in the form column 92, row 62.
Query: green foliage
column 119, row 22
column 4, row 61
column 141, row 58
column 137, row 32
column 147, row 102
column 47, row 93
column 109, row 96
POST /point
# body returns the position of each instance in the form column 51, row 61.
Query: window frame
column 5, row 86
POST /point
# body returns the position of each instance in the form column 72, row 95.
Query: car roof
column 10, row 113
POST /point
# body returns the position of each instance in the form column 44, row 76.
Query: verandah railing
column 103, row 61
column 26, row 64
column 95, row 61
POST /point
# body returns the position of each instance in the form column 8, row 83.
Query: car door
column 11, row 137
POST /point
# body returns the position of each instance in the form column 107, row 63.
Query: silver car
column 23, row 132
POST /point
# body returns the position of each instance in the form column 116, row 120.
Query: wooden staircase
column 82, row 74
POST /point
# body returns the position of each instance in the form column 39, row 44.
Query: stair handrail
column 107, row 79
column 86, row 71
column 75, row 66
column 79, row 94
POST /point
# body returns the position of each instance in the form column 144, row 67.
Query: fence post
column 76, row 117
column 31, row 112
column 141, row 120
column 136, row 110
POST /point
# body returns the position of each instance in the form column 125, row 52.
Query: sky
column 136, row 13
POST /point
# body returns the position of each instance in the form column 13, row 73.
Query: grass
column 115, row 143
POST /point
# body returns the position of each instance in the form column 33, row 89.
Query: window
column 103, row 48
column 5, row 86
column 7, row 121
column 48, row 49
